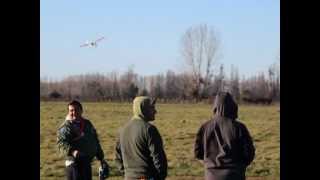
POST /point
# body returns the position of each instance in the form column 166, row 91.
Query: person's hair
column 75, row 103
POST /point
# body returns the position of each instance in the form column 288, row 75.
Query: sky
column 146, row 35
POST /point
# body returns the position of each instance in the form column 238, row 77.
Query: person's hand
column 104, row 170
column 75, row 153
column 68, row 117
column 104, row 163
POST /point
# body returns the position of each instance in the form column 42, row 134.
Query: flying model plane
column 92, row 43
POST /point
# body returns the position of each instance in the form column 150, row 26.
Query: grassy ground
column 177, row 124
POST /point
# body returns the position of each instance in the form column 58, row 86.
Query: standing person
column 224, row 144
column 139, row 150
column 78, row 142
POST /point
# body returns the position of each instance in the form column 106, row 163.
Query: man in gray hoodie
column 139, row 150
column 224, row 144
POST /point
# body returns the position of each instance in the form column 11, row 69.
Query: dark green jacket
column 69, row 139
column 139, row 150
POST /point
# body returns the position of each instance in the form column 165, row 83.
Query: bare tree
column 128, row 86
column 171, row 85
column 115, row 87
column 142, row 85
column 199, row 50
column 234, row 83
column 156, row 86
column 219, row 81
column 274, row 81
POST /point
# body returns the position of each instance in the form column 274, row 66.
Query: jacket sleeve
column 198, row 145
column 118, row 157
column 248, row 149
column 64, row 141
column 157, row 152
column 100, row 153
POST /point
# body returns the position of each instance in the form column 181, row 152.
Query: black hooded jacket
column 223, row 142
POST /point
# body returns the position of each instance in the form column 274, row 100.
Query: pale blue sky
column 147, row 34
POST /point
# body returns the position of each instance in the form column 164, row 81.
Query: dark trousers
column 80, row 170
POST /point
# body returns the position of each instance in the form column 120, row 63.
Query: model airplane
column 92, row 43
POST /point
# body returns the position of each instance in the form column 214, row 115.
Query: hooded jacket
column 223, row 142
column 139, row 150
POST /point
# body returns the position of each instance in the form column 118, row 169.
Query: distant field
column 177, row 123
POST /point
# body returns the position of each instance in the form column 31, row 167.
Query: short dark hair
column 75, row 103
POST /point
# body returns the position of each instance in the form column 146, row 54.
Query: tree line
column 167, row 87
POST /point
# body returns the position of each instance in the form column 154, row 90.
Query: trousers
column 80, row 170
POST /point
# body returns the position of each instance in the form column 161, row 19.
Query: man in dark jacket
column 78, row 142
column 139, row 150
column 224, row 144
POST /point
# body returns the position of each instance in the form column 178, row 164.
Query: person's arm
column 100, row 153
column 198, row 145
column 64, row 139
column 118, row 157
column 248, row 149
column 157, row 152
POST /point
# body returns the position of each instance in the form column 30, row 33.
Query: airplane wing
column 99, row 39
column 83, row 45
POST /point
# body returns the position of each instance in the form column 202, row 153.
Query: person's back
column 223, row 143
column 134, row 138
column 140, row 149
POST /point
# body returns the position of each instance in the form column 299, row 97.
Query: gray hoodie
column 224, row 143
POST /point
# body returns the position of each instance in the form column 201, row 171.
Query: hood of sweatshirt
column 141, row 105
column 225, row 106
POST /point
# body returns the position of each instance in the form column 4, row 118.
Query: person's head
column 144, row 107
column 225, row 106
column 74, row 109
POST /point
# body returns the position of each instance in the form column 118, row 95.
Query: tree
column 171, row 85
column 115, row 88
column 142, row 86
column 132, row 91
column 199, row 50
column 219, row 81
column 128, row 83
column 274, row 81
column 234, row 83
column 156, row 86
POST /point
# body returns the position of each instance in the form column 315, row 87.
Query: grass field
column 177, row 123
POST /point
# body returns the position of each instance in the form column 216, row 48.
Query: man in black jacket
column 223, row 143
column 139, row 150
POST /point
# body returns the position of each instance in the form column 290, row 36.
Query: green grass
column 177, row 123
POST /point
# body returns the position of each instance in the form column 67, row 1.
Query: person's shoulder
column 64, row 124
column 64, row 127
column 239, row 123
column 152, row 131
column 87, row 121
column 151, row 128
column 241, row 126
column 207, row 123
